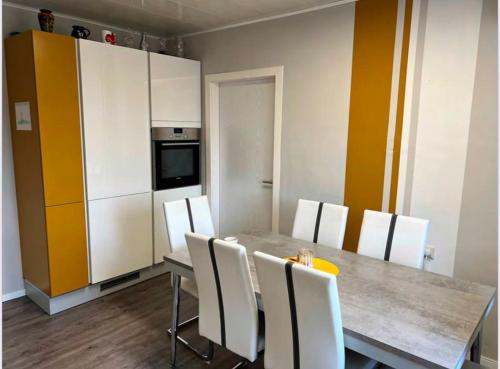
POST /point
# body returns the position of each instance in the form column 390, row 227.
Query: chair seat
column 353, row 360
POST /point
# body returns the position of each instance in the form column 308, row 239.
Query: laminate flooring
column 126, row 329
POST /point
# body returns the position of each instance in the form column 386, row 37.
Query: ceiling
column 174, row 17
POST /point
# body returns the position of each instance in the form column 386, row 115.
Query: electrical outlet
column 430, row 252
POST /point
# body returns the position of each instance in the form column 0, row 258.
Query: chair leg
column 176, row 326
column 176, row 282
column 184, row 324
column 241, row 364
column 204, row 356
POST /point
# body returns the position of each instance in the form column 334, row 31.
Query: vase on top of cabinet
column 46, row 20
column 80, row 32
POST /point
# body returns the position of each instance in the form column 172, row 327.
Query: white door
column 121, row 237
column 115, row 105
column 246, row 134
column 175, row 91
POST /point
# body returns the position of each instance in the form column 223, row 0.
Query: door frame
column 212, row 124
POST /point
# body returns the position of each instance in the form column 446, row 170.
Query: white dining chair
column 395, row 238
column 227, row 303
column 187, row 215
column 182, row 216
column 303, row 319
column 320, row 222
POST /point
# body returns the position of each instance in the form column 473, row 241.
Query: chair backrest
column 320, row 222
column 187, row 215
column 395, row 238
column 228, row 313
column 303, row 320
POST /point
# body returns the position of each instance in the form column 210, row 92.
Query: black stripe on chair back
column 190, row 214
column 293, row 315
column 390, row 236
column 318, row 221
column 219, row 292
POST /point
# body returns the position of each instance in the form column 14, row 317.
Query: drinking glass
column 305, row 257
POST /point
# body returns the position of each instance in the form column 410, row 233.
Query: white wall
column 445, row 100
column 316, row 52
column 477, row 252
column 15, row 19
column 448, row 172
column 12, row 282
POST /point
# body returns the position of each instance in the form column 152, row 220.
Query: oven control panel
column 175, row 134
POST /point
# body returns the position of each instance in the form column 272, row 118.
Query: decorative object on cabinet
column 108, row 37
column 46, row 20
column 163, row 46
column 80, row 32
column 144, row 42
column 180, row 47
column 49, row 186
column 129, row 40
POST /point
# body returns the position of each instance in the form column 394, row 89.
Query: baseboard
column 71, row 299
column 489, row 363
column 13, row 295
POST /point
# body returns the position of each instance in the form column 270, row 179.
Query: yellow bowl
column 320, row 264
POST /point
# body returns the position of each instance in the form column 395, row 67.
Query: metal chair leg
column 176, row 282
column 241, row 364
column 210, row 352
column 176, row 326
column 184, row 323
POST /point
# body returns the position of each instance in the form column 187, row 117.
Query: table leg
column 176, row 283
column 475, row 350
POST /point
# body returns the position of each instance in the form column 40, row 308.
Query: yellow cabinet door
column 67, row 247
column 59, row 117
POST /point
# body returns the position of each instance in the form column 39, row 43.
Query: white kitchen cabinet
column 161, row 244
column 115, row 109
column 175, row 91
column 120, row 235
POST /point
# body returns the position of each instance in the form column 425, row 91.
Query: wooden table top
column 425, row 317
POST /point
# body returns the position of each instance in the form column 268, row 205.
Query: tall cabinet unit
column 115, row 110
column 175, row 102
column 45, row 126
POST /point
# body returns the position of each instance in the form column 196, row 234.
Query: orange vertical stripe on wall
column 373, row 53
column 400, row 106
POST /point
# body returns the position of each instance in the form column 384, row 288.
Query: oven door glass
column 177, row 164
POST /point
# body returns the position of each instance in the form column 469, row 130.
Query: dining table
column 403, row 317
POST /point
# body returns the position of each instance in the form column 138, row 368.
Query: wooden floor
column 124, row 330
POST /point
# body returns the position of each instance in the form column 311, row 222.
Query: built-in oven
column 176, row 157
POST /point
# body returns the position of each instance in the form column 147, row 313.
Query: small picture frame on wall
column 23, row 116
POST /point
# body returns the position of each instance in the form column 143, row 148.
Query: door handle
column 264, row 182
